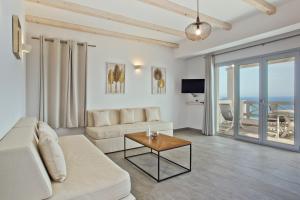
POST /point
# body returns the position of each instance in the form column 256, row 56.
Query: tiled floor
column 222, row 168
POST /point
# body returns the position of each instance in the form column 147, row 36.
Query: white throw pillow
column 127, row 116
column 53, row 158
column 45, row 129
column 152, row 114
column 101, row 118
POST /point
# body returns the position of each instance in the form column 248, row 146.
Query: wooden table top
column 160, row 143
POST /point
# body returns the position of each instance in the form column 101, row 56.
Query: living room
column 150, row 99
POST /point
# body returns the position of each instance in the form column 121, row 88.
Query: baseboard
column 181, row 129
column 189, row 129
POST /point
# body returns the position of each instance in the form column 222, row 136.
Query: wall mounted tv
column 192, row 85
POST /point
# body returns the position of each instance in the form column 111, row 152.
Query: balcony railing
column 250, row 108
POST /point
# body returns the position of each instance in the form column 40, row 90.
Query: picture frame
column 159, row 80
column 115, row 78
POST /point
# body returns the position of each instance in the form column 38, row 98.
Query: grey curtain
column 62, row 83
column 208, row 124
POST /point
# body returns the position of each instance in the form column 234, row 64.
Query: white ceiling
column 226, row 10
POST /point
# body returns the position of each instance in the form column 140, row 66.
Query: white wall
column 138, row 85
column 194, row 113
column 12, row 71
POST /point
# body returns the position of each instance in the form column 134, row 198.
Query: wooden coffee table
column 159, row 144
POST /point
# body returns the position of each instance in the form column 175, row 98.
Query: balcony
column 280, row 121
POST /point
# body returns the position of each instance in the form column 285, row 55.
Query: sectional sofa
column 90, row 173
column 108, row 133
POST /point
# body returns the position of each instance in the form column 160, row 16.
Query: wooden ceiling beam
column 263, row 6
column 181, row 10
column 98, row 31
column 77, row 8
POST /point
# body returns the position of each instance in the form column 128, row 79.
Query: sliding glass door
column 224, row 76
column 280, row 93
column 248, row 75
column 258, row 99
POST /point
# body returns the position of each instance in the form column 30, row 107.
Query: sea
column 287, row 103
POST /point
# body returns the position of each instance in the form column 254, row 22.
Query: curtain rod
column 255, row 45
column 62, row 41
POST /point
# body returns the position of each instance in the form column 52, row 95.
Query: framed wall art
column 16, row 37
column 159, row 80
column 115, row 78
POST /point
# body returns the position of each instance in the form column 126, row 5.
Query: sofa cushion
column 53, row 157
column 154, row 126
column 139, row 114
column 105, row 131
column 114, row 116
column 158, row 125
column 91, row 174
column 152, row 114
column 119, row 130
column 101, row 118
column 127, row 116
column 45, row 129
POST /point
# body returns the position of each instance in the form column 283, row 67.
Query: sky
column 280, row 80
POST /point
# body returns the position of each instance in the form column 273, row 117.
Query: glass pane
column 225, row 97
column 249, row 100
column 281, row 100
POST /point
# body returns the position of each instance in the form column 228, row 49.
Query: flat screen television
column 192, row 85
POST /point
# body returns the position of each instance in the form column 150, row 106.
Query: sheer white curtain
column 62, row 83
column 208, row 124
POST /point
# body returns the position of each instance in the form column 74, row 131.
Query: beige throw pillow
column 152, row 114
column 53, row 158
column 45, row 129
column 127, row 116
column 101, row 118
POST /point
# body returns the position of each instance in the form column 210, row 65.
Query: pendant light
column 198, row 30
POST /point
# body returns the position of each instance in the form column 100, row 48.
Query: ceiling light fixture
column 198, row 30
column 138, row 68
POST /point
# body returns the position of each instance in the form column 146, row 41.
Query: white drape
column 62, row 83
column 208, row 128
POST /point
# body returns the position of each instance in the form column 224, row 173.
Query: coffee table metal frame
column 159, row 157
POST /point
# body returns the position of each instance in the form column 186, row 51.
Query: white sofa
column 111, row 138
column 90, row 173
